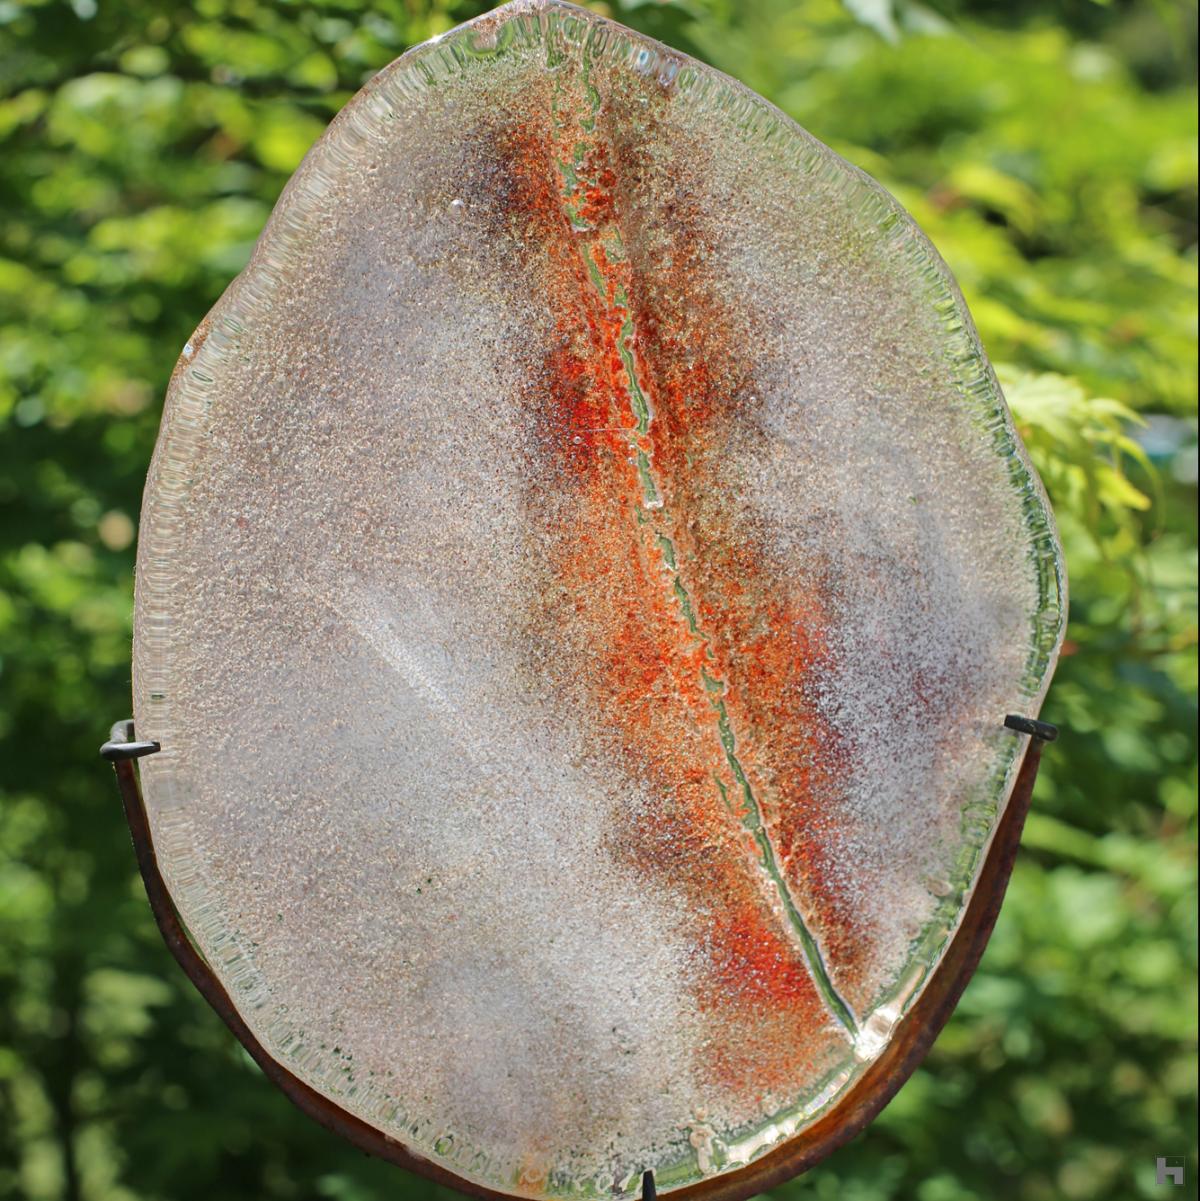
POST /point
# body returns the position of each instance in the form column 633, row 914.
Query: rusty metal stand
column 880, row 1082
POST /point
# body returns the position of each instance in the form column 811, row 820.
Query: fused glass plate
column 584, row 570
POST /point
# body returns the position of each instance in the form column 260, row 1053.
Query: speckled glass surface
column 585, row 566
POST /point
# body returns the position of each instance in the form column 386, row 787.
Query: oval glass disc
column 585, row 567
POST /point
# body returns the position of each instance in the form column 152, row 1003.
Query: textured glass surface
column 584, row 570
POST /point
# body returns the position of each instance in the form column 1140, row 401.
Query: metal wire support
column 1043, row 731
column 879, row 1082
column 121, row 744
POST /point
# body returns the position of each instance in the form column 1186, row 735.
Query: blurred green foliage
column 1049, row 149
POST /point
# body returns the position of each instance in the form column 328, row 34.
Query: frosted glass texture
column 584, row 570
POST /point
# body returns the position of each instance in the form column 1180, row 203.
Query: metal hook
column 121, row 744
column 1041, row 730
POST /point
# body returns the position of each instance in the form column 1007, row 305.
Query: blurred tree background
column 1049, row 149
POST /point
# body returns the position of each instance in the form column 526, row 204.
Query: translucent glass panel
column 585, row 568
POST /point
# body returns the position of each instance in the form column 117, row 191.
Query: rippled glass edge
column 527, row 24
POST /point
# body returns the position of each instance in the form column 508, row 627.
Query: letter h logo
column 1162, row 1173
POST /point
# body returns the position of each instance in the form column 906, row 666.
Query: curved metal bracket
column 911, row 1040
column 1041, row 730
column 122, row 745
